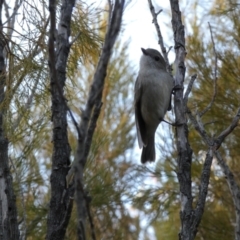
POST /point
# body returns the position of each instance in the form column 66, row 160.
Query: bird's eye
column 157, row 58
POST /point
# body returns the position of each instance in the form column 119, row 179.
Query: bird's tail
column 148, row 152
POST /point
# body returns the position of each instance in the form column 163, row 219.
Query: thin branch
column 11, row 90
column 110, row 7
column 28, row 104
column 203, row 189
column 184, row 150
column 1, row 219
column 75, row 39
column 9, row 224
column 51, row 47
column 199, row 128
column 215, row 53
column 160, row 38
column 215, row 76
column 24, row 228
column 228, row 130
column 6, row 6
column 158, row 12
column 169, row 49
column 58, row 46
column 88, row 200
column 94, row 99
column 213, row 145
column 189, row 89
column 210, row 122
column 72, row 117
column 234, row 189
column 11, row 19
column 52, row 61
column 67, row 199
column 95, row 93
column 91, row 129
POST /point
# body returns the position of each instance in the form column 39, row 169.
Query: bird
column 152, row 99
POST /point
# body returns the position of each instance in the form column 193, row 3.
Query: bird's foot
column 173, row 124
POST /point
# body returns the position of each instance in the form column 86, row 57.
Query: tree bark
column 60, row 203
column 8, row 209
column 190, row 217
column 183, row 147
column 91, row 112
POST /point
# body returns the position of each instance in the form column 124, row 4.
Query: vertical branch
column 94, row 101
column 23, row 229
column 234, row 189
column 203, row 190
column 190, row 218
column 160, row 38
column 8, row 225
column 183, row 147
column 59, row 47
column 213, row 145
column 11, row 19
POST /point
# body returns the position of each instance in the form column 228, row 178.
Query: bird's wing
column 140, row 124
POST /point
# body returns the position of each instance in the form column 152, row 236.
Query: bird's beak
column 144, row 51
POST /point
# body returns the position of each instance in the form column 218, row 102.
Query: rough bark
column 8, row 210
column 89, row 117
column 60, row 203
column 183, row 147
column 190, row 217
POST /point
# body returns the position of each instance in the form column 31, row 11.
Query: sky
column 138, row 26
column 138, row 29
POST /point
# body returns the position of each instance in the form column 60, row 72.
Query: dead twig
column 160, row 38
column 215, row 76
column 189, row 89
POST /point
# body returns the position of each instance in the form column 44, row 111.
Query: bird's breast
column 156, row 91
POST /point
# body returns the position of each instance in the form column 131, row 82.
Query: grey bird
column 152, row 99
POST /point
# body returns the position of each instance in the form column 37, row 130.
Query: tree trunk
column 8, row 210
column 61, row 196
